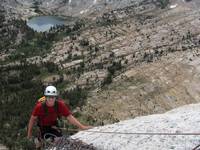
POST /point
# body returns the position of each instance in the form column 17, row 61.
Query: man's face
column 50, row 100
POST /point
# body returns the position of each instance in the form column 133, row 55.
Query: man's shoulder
column 37, row 109
column 60, row 101
column 38, row 105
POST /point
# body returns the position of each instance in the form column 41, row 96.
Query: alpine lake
column 44, row 23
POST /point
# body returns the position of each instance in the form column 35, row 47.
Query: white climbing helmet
column 50, row 91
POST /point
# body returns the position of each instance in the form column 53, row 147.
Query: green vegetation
column 76, row 97
column 11, row 33
column 107, row 20
column 21, row 84
column 163, row 3
column 37, row 45
column 22, row 42
column 116, row 66
column 19, row 93
column 36, row 7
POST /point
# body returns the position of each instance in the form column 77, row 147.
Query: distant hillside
column 82, row 8
column 147, row 89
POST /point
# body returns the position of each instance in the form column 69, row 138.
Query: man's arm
column 30, row 125
column 75, row 122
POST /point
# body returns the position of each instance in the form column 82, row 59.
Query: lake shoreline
column 45, row 23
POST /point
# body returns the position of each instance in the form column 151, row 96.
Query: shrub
column 76, row 96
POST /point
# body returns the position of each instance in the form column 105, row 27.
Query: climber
column 46, row 112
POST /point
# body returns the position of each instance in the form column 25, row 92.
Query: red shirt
column 50, row 118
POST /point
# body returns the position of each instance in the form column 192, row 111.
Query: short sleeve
column 64, row 109
column 36, row 110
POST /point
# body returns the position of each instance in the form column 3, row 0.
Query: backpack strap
column 56, row 106
column 56, row 109
column 44, row 106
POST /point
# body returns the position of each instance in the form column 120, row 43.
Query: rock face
column 178, row 121
column 89, row 8
column 26, row 8
column 84, row 7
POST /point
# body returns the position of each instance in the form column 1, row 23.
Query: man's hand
column 29, row 136
column 75, row 122
column 86, row 127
